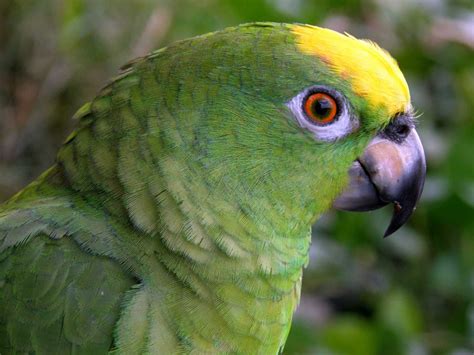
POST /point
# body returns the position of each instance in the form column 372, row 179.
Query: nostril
column 403, row 130
column 399, row 129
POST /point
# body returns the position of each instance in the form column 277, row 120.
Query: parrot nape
column 177, row 216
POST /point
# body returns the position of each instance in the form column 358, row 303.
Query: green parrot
column 176, row 218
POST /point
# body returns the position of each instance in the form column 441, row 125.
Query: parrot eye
column 320, row 108
column 324, row 112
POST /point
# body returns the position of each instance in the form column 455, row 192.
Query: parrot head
column 392, row 167
column 295, row 113
column 264, row 122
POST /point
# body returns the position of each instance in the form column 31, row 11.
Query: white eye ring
column 343, row 124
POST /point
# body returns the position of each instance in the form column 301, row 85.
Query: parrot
column 177, row 216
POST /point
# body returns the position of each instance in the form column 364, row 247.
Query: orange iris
column 321, row 108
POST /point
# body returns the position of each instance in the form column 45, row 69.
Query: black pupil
column 322, row 108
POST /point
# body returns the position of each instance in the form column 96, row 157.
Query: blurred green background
column 412, row 293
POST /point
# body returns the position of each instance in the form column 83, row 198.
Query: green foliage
column 412, row 293
column 349, row 335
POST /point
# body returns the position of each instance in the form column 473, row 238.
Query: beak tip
column 388, row 232
column 399, row 218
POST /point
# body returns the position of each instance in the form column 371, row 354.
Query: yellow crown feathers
column 372, row 72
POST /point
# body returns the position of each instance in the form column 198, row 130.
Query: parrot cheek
column 392, row 169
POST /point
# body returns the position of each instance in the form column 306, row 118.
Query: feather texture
column 177, row 216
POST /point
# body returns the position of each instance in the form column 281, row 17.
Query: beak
column 391, row 170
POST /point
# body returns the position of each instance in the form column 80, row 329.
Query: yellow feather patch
column 373, row 73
